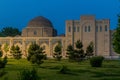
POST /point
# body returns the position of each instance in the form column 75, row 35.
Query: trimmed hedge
column 96, row 61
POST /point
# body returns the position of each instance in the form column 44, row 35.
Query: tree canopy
column 90, row 50
column 16, row 52
column 3, row 61
column 70, row 52
column 35, row 54
column 76, row 54
column 9, row 31
column 116, row 38
column 58, row 51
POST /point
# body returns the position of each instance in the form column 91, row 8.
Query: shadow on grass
column 81, row 71
column 96, row 74
column 109, row 78
column 101, row 74
column 9, row 64
column 71, row 73
column 111, row 66
column 68, row 72
column 2, row 72
column 49, row 67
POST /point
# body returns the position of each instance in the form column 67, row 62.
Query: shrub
column 28, row 75
column 96, row 61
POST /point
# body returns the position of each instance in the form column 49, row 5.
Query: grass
column 78, row 71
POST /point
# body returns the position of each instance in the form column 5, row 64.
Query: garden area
column 50, row 70
column 78, row 65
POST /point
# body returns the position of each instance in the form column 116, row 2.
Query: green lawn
column 79, row 71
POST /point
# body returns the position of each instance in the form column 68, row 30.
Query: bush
column 28, row 75
column 96, row 61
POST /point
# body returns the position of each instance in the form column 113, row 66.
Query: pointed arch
column 54, row 46
column 46, row 48
column 19, row 45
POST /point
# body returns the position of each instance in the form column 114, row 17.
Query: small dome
column 40, row 21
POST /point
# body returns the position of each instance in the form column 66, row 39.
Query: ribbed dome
column 40, row 21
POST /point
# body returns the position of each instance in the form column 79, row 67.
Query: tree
column 70, row 52
column 79, row 52
column 9, row 31
column 116, row 38
column 58, row 51
column 1, row 53
column 3, row 61
column 90, row 50
column 16, row 52
column 35, row 54
column 6, row 48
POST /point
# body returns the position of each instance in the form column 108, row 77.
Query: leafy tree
column 116, row 38
column 70, row 52
column 79, row 52
column 16, row 52
column 9, row 31
column 90, row 50
column 35, row 54
column 58, row 51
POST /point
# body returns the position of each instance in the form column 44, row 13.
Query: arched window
column 74, row 29
column 96, row 28
column 100, row 28
column 78, row 29
column 106, row 29
column 85, row 28
column 69, row 29
column 35, row 32
column 88, row 28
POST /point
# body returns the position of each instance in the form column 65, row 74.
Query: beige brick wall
column 101, row 39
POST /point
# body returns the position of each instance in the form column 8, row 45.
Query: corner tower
column 87, row 30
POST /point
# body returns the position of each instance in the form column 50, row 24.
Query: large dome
column 40, row 21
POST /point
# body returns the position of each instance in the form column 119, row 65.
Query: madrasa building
column 41, row 31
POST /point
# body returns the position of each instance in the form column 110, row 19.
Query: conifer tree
column 3, row 61
column 35, row 54
column 90, row 50
column 79, row 52
column 16, row 52
column 58, row 51
column 70, row 52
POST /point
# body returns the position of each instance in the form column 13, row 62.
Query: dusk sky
column 17, row 13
